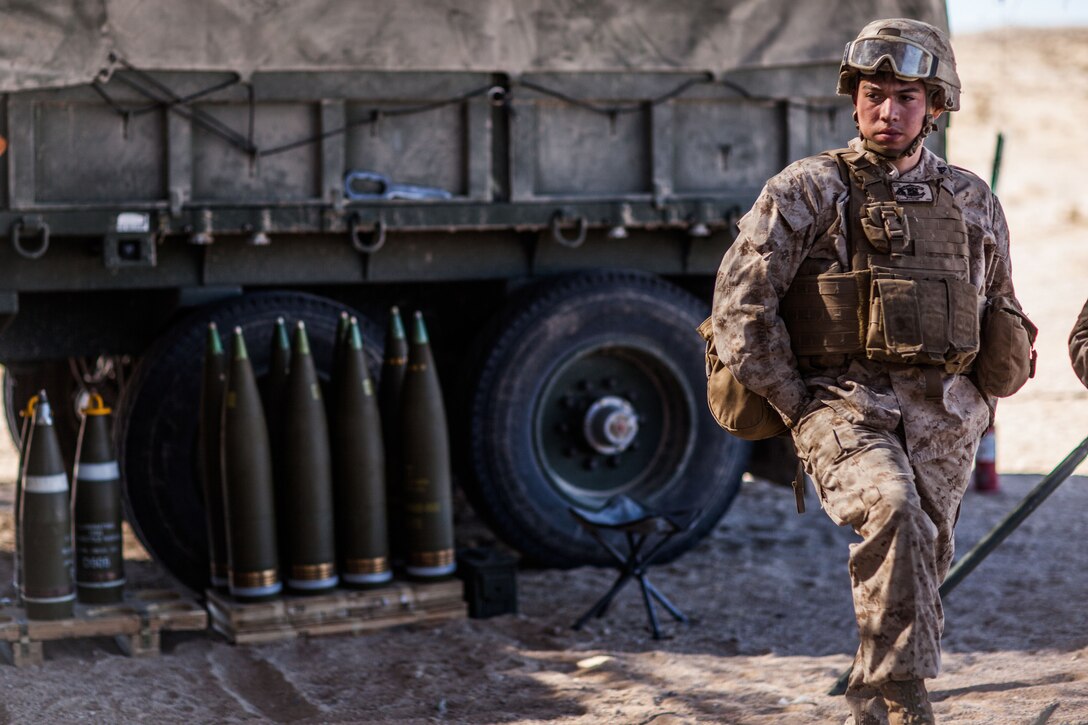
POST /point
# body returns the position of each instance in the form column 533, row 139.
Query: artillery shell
column 46, row 529
column 275, row 390
column 100, row 574
column 311, row 566
column 427, row 482
column 253, row 572
column 209, row 462
column 359, row 470
column 394, row 365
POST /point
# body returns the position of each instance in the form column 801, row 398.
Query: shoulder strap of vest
column 856, row 173
column 845, row 158
column 868, row 176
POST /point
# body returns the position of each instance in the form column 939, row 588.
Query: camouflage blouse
column 799, row 215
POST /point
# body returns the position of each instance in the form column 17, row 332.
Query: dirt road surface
column 767, row 592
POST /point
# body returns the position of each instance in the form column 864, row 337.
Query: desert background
column 767, row 592
column 1031, row 85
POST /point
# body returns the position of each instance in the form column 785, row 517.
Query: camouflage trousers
column 905, row 512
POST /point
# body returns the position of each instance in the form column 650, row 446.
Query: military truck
column 551, row 183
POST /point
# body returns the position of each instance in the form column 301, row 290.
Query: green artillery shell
column 253, row 572
column 275, row 384
column 394, row 365
column 426, row 483
column 48, row 588
column 275, row 390
column 100, row 574
column 339, row 347
column 209, row 462
column 311, row 565
column 359, row 470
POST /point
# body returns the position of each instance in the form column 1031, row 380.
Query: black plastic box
column 490, row 578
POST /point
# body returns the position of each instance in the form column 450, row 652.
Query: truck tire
column 562, row 358
column 157, row 422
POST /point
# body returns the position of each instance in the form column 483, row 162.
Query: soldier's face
column 890, row 111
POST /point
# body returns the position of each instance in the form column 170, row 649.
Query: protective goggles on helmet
column 908, row 60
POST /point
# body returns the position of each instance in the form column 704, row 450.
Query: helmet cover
column 911, row 50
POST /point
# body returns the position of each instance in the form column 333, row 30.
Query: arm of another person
column 1078, row 345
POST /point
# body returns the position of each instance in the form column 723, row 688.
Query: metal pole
column 999, row 533
column 996, row 171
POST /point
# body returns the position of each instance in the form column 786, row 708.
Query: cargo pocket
column 896, row 320
column 963, row 316
column 922, row 321
column 826, row 443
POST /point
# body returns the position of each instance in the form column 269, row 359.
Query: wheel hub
column 604, row 423
column 610, row 425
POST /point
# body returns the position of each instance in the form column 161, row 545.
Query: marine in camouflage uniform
column 1078, row 346
column 889, row 446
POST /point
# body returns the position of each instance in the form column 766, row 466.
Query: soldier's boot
column 908, row 703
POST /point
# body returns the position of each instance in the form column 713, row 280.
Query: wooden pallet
column 135, row 623
column 341, row 611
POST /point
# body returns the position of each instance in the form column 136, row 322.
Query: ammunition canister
column 100, row 574
column 46, row 528
column 394, row 365
column 253, row 572
column 311, row 566
column 426, row 485
column 209, row 461
column 359, row 470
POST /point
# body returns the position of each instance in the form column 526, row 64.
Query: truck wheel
column 158, row 417
column 595, row 386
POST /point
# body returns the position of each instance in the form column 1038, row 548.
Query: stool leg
column 601, row 607
column 631, row 567
column 606, row 601
column 649, row 606
column 676, row 613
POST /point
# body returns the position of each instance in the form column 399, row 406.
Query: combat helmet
column 911, row 50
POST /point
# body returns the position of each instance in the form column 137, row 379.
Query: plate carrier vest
column 907, row 297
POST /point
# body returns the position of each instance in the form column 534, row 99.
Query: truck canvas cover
column 50, row 43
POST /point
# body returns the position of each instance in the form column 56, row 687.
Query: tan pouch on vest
column 922, row 321
column 1006, row 356
column 736, row 408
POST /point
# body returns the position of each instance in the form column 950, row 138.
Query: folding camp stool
column 639, row 526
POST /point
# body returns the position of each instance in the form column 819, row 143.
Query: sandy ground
column 767, row 592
